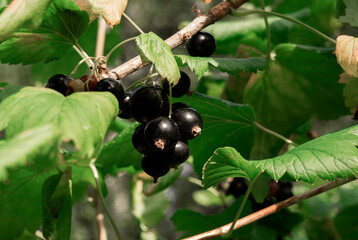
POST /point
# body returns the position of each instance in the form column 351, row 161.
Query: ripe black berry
column 155, row 165
column 148, row 103
column 181, row 88
column 178, row 154
column 161, row 133
column 138, row 140
column 202, row 44
column 59, row 83
column 189, row 122
column 124, row 106
column 110, row 85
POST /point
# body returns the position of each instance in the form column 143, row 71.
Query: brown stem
column 271, row 209
column 213, row 15
column 102, row 232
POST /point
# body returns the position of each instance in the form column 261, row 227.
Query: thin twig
column 268, row 32
column 101, row 37
column 288, row 141
column 101, row 198
column 102, row 232
column 271, row 209
column 133, row 23
column 255, row 11
column 213, row 15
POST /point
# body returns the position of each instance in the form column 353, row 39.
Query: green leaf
column 82, row 117
column 62, row 25
column 301, row 83
column 229, row 65
column 119, row 152
column 42, row 71
column 21, row 13
column 350, row 94
column 30, row 142
column 345, row 222
column 57, row 206
column 251, row 31
column 224, row 124
column 350, row 15
column 20, row 200
column 227, row 162
column 328, row 157
column 152, row 48
column 193, row 223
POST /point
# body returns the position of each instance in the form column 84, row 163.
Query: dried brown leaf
column 110, row 10
column 347, row 54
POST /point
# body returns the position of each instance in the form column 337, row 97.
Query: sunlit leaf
column 63, row 23
column 153, row 49
column 30, row 141
column 229, row 65
column 82, row 117
column 347, row 54
column 110, row 10
column 21, row 13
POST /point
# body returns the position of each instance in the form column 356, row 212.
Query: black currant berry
column 181, row 88
column 59, row 83
column 155, row 165
column 138, row 140
column 284, row 191
column 202, row 44
column 110, row 85
column 177, row 105
column 178, row 154
column 189, row 122
column 124, row 106
column 161, row 133
column 148, row 103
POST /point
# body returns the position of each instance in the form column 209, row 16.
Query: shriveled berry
column 161, row 133
column 138, row 140
column 148, row 103
column 201, row 44
column 155, row 165
column 110, row 85
column 189, row 122
column 75, row 85
column 59, row 83
column 181, row 88
column 89, row 84
column 178, row 154
column 124, row 106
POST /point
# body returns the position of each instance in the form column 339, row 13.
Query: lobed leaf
column 31, row 141
column 152, row 48
column 300, row 83
column 82, row 117
column 350, row 15
column 331, row 156
column 225, row 163
column 229, row 65
column 63, row 23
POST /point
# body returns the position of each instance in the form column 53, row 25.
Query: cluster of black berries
column 163, row 140
column 66, row 85
column 278, row 191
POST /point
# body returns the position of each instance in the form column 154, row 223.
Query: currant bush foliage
column 49, row 140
